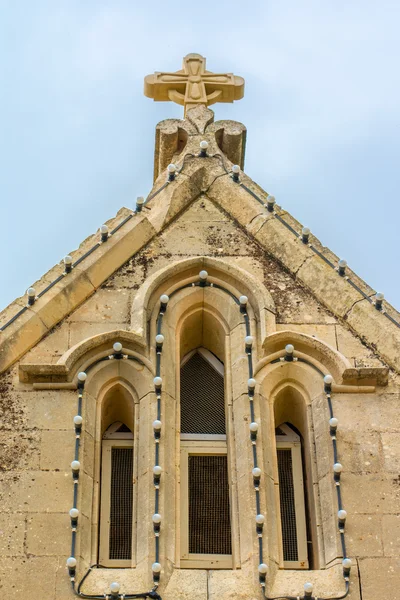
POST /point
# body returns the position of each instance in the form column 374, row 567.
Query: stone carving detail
column 193, row 85
column 173, row 135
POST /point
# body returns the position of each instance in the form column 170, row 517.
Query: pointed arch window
column 291, row 497
column 206, row 538
column 116, row 506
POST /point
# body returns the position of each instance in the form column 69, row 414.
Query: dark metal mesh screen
column 121, row 503
column 202, row 398
column 209, row 515
column 288, row 513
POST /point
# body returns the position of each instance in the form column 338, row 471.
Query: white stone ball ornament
column 71, row 562
column 157, row 382
column 270, row 202
column 156, row 518
column 262, row 568
column 114, row 587
column 260, row 519
column 346, row 562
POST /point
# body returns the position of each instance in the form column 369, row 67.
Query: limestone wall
column 37, row 441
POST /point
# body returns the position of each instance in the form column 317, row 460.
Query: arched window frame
column 112, row 439
column 197, row 444
column 306, row 378
column 228, row 324
column 294, row 393
column 104, row 378
column 291, row 441
column 264, row 439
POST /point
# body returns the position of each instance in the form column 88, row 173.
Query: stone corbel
column 231, row 139
column 172, row 136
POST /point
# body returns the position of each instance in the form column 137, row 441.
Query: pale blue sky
column 77, row 135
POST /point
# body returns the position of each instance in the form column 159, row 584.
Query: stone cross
column 193, row 85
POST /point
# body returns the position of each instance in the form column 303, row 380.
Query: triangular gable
column 277, row 232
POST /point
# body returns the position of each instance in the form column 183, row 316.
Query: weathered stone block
column 331, row 289
column 186, row 584
column 202, row 210
column 19, row 449
column 12, row 533
column 285, row 246
column 370, row 494
column 53, row 409
column 19, row 337
column 60, row 460
column 391, row 535
column 48, row 534
column 231, row 585
column 380, row 578
column 82, row 331
column 36, row 491
column 325, row 333
column 349, row 344
column 365, row 412
column 391, row 451
column 123, row 244
column 244, row 209
column 106, row 306
column 364, row 535
column 32, row 577
column 358, row 455
column 373, row 326
column 51, row 348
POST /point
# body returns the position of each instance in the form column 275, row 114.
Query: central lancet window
column 206, row 537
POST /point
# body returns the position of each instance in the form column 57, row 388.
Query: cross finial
column 193, row 85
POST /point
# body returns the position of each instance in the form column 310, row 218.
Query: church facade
column 202, row 401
